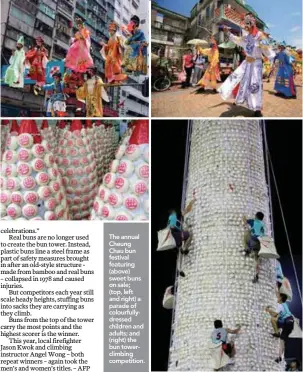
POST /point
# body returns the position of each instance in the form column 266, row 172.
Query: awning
column 227, row 45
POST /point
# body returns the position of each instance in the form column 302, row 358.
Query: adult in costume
column 112, row 54
column 212, row 73
column 245, row 83
column 14, row 76
column 135, row 57
column 36, row 60
column 56, row 105
column 284, row 84
column 91, row 93
column 78, row 56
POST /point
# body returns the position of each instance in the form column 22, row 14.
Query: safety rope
column 283, row 218
column 179, row 255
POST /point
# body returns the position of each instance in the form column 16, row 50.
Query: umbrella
column 227, row 45
column 197, row 42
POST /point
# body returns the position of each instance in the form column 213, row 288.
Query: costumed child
column 78, row 56
column 212, row 73
column 135, row 57
column 36, row 60
column 56, row 105
column 112, row 53
column 14, row 76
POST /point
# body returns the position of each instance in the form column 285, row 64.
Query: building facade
column 210, row 14
column 54, row 21
column 226, row 172
column 169, row 32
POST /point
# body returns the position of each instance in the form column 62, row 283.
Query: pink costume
column 78, row 56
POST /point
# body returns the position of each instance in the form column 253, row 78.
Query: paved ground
column 190, row 103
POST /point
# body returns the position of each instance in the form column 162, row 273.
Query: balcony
column 28, row 6
column 47, row 11
column 52, row 4
column 61, row 36
column 167, row 27
column 229, row 13
column 23, row 28
column 81, row 14
column 45, row 19
column 65, row 9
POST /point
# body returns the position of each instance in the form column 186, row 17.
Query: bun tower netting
column 227, row 175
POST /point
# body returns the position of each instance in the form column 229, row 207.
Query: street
column 190, row 103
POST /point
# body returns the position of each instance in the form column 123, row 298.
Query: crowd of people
column 122, row 56
column 258, row 59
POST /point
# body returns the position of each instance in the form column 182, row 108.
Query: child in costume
column 56, row 105
column 247, row 78
column 135, row 58
column 112, row 54
column 14, row 76
column 36, row 60
column 92, row 93
column 212, row 73
column 78, row 56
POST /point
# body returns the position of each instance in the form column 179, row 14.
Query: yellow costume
column 91, row 94
column 212, row 73
column 266, row 67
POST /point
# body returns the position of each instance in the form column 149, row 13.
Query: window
column 199, row 20
column 135, row 5
column 219, row 3
column 22, row 16
column 45, row 29
column 170, row 36
column 208, row 12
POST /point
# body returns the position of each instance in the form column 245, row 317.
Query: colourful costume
column 212, row 73
column 36, row 60
column 112, row 54
column 266, row 67
column 92, row 93
column 245, row 83
column 285, row 77
column 14, row 76
column 56, row 103
column 135, row 57
column 78, row 56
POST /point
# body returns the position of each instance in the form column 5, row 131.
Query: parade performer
column 212, row 73
column 248, row 76
column 112, row 54
column 285, row 85
column 266, row 68
column 92, row 93
column 36, row 60
column 135, row 57
column 14, row 76
column 56, row 105
column 78, row 56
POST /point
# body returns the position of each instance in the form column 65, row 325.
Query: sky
column 285, row 146
column 284, row 18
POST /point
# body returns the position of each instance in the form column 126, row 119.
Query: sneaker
column 276, row 335
column 230, row 362
column 185, row 251
column 258, row 114
column 255, row 279
column 278, row 360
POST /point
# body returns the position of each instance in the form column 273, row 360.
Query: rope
column 283, row 219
